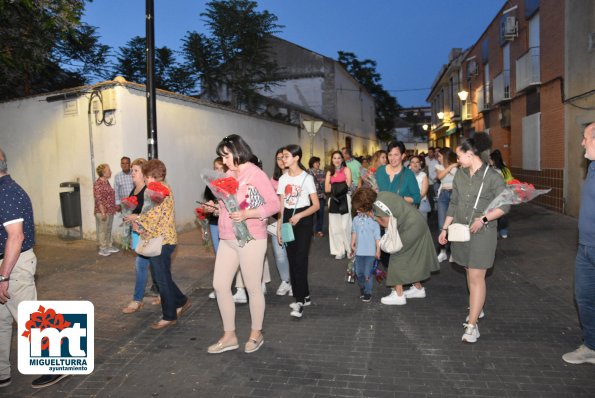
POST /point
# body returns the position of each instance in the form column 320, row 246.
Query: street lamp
column 425, row 127
column 440, row 115
column 463, row 95
column 312, row 127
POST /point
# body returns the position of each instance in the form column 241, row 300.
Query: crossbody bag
column 458, row 232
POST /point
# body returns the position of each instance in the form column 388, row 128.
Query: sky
column 409, row 40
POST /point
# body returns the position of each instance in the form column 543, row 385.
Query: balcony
column 501, row 87
column 528, row 69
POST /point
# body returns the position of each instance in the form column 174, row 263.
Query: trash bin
column 70, row 204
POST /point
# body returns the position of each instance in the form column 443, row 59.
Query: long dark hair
column 480, row 143
column 277, row 171
column 238, row 148
column 295, row 150
column 496, row 157
column 449, row 155
column 332, row 168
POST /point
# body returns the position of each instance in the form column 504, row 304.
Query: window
column 486, row 85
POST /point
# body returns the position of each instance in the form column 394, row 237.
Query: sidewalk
column 341, row 346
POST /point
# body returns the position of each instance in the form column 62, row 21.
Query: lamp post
column 312, row 127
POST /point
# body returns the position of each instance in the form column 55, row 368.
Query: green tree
column 169, row 75
column 44, row 47
column 387, row 107
column 236, row 55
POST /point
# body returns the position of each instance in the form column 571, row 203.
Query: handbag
column 149, row 247
column 424, row 206
column 286, row 228
column 391, row 240
column 458, row 232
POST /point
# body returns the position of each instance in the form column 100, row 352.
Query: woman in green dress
column 477, row 254
column 417, row 259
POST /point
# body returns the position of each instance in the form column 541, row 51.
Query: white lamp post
column 312, row 127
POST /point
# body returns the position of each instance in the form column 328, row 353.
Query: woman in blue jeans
column 279, row 250
column 445, row 173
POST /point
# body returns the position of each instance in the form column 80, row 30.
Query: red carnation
column 228, row 185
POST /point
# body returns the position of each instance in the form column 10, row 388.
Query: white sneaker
column 290, row 294
column 284, row 288
column 414, row 292
column 450, row 259
column 104, row 252
column 471, row 333
column 394, row 299
column 297, row 311
column 264, row 288
column 340, row 256
column 240, row 296
column 213, row 295
column 481, row 315
column 306, row 303
column 583, row 354
column 442, row 256
column 113, row 249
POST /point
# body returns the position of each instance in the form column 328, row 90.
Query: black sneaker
column 307, row 301
column 361, row 292
column 47, row 380
column 5, row 382
column 367, row 298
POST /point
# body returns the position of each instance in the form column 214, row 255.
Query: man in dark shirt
column 17, row 266
column 584, row 279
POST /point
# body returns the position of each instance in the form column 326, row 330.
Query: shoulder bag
column 458, row 232
column 391, row 240
column 150, row 247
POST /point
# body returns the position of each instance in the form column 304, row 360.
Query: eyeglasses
column 279, row 157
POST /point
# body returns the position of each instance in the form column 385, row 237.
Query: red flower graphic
column 43, row 319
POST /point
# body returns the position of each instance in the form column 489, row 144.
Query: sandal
column 162, row 324
column 320, row 234
column 252, row 345
column 156, row 301
column 132, row 307
column 219, row 347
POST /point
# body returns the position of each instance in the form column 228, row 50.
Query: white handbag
column 391, row 240
column 458, row 232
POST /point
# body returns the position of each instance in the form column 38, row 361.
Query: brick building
column 521, row 87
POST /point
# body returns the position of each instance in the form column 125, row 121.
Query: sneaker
column 306, row 303
column 5, row 382
column 450, row 259
column 284, row 288
column 240, row 296
column 264, row 288
column 113, row 249
column 104, row 252
column 297, row 310
column 367, row 298
column 442, row 256
column 361, row 292
column 290, row 294
column 47, row 380
column 414, row 292
column 340, row 256
column 481, row 315
column 583, row 354
column 471, row 333
column 504, row 236
column 213, row 295
column 394, row 299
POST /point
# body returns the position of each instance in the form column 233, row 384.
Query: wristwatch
column 3, row 278
column 485, row 220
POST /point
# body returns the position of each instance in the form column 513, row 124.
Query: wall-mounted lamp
column 312, row 127
column 463, row 95
column 425, row 127
column 440, row 115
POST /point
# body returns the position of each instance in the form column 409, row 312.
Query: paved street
column 341, row 347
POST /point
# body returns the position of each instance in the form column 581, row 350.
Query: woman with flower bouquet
column 474, row 186
column 158, row 219
column 246, row 200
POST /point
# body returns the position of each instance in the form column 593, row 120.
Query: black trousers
column 298, row 252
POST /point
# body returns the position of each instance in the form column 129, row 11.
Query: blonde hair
column 139, row 162
column 101, row 169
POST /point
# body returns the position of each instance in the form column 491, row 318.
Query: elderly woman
column 253, row 183
column 474, row 186
column 417, row 259
column 160, row 221
column 105, row 208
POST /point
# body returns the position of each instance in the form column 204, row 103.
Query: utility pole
column 150, row 87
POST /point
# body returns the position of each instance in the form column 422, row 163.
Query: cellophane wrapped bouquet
column 225, row 188
column 203, row 221
column 369, row 178
column 516, row 192
column 128, row 205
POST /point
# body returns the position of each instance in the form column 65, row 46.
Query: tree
column 387, row 107
column 169, row 75
column 45, row 47
column 236, row 54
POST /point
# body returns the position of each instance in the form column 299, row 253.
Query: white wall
column 306, row 92
column 45, row 147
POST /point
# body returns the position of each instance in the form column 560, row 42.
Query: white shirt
column 432, row 163
column 296, row 189
column 446, row 182
column 420, row 179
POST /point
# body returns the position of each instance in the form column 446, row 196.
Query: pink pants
column 250, row 259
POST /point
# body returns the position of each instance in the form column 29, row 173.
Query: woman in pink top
column 255, row 185
column 337, row 183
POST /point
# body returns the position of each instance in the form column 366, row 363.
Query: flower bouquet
column 128, row 205
column 225, row 189
column 156, row 192
column 201, row 216
column 515, row 192
column 369, row 178
column 350, row 273
column 377, row 272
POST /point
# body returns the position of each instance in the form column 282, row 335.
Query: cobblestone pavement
column 341, row 346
